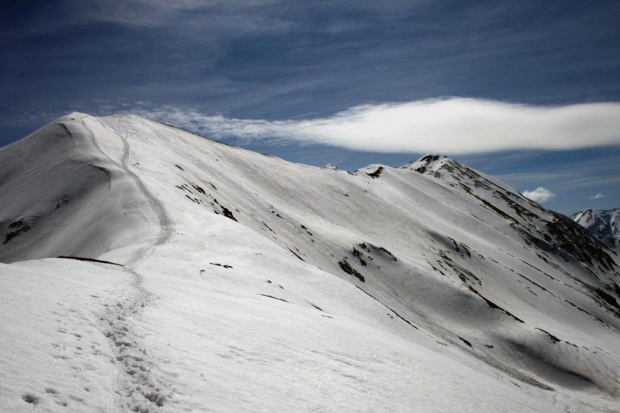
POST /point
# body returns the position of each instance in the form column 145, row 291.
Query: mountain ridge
column 445, row 259
column 603, row 223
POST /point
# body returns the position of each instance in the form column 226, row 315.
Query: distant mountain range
column 150, row 269
column 604, row 223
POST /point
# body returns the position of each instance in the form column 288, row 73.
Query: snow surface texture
column 218, row 279
column 603, row 223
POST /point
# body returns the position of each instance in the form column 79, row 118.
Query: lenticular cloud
column 453, row 126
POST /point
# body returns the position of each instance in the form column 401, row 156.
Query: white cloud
column 451, row 126
column 600, row 195
column 539, row 195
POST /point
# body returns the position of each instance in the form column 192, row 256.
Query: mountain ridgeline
column 605, row 224
column 429, row 261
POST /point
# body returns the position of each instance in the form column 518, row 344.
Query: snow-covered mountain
column 149, row 269
column 604, row 223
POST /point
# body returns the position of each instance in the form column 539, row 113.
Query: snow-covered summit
column 604, row 223
column 428, row 164
column 67, row 192
column 203, row 276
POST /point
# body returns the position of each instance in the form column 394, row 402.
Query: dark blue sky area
column 278, row 60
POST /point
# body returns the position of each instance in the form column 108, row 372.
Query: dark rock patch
column 228, row 213
column 376, row 173
column 275, row 298
column 346, row 267
column 465, row 341
column 551, row 336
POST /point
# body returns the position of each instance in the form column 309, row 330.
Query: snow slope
column 603, row 223
column 228, row 280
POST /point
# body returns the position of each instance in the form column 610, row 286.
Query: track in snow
column 138, row 390
column 165, row 221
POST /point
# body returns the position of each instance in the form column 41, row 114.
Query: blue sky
column 527, row 91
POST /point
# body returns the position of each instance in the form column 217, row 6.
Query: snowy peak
column 428, row 164
column 459, row 176
column 604, row 223
column 534, row 224
column 64, row 192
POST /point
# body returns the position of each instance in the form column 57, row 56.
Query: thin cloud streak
column 451, row 126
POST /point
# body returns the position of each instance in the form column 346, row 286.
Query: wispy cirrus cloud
column 599, row 195
column 451, row 125
column 539, row 195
